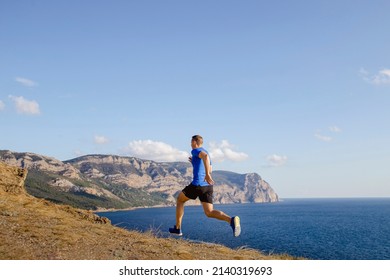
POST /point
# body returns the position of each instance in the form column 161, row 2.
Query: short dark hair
column 198, row 139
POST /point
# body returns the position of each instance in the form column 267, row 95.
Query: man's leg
column 181, row 199
column 216, row 214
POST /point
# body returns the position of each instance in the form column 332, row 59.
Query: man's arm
column 207, row 166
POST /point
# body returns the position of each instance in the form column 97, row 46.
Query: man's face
column 193, row 144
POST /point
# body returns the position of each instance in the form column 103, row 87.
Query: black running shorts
column 205, row 193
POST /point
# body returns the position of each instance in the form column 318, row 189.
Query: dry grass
column 37, row 229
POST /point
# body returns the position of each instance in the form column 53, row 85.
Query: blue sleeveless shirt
column 199, row 172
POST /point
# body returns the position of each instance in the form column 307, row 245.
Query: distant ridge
column 116, row 182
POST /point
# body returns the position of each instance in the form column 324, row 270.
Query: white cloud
column 154, row 150
column 224, row 151
column 2, row 105
column 26, row 82
column 276, row 160
column 100, row 140
column 24, row 106
column 381, row 78
column 335, row 129
column 323, row 137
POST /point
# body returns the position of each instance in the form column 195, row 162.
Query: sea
column 317, row 229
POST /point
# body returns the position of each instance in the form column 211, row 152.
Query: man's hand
column 207, row 166
column 209, row 180
column 190, row 159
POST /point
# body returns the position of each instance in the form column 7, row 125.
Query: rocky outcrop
column 243, row 188
column 12, row 179
column 130, row 181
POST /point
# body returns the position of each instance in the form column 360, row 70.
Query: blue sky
column 297, row 91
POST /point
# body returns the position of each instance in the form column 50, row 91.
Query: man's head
column 196, row 141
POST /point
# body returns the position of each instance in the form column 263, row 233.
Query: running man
column 202, row 187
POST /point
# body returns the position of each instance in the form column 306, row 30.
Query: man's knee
column 208, row 210
column 208, row 213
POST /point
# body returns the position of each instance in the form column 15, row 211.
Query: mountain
column 109, row 181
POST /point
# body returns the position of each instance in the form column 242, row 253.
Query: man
column 202, row 187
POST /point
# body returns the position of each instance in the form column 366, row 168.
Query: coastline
column 194, row 203
column 104, row 210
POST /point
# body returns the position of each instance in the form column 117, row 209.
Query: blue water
column 326, row 229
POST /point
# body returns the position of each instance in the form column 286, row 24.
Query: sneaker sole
column 178, row 234
column 237, row 227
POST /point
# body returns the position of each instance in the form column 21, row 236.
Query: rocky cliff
column 12, row 179
column 108, row 181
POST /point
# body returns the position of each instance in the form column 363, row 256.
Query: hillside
column 33, row 228
column 115, row 182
